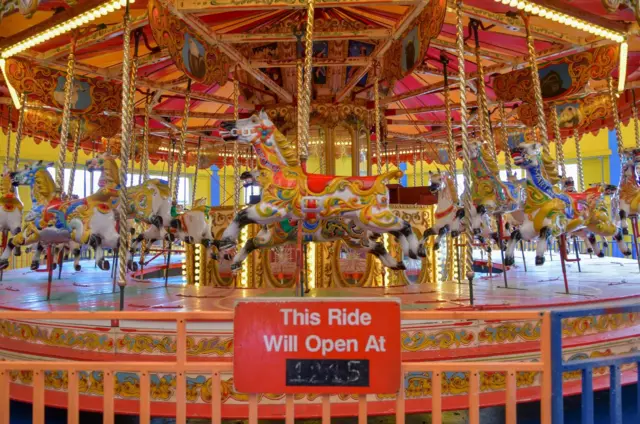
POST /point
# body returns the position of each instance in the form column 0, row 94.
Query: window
column 250, row 191
column 82, row 183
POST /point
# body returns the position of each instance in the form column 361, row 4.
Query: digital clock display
column 327, row 372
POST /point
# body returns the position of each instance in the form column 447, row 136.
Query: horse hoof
column 625, row 231
column 589, row 250
column 422, row 252
column 400, row 267
column 627, row 253
column 235, row 267
column 35, row 266
column 601, row 255
column 54, row 266
column 171, row 237
column 104, row 265
column 17, row 251
column 132, row 266
column 214, row 257
column 605, row 245
column 488, row 249
column 509, row 260
column 436, row 246
column 455, row 234
column 4, row 263
column 77, row 267
column 540, row 260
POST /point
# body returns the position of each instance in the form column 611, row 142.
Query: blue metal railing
column 615, row 363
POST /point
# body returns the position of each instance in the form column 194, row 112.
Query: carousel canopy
column 203, row 49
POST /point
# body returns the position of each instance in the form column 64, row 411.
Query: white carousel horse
column 627, row 199
column 328, row 230
column 448, row 215
column 10, row 217
column 193, row 226
column 54, row 221
column 289, row 193
column 547, row 211
column 149, row 202
column 591, row 204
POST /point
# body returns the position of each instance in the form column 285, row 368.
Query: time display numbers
column 327, row 372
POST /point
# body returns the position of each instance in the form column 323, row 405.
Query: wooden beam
column 470, row 51
column 290, row 63
column 383, row 47
column 364, row 34
column 202, row 30
column 591, row 18
column 427, row 89
column 208, row 6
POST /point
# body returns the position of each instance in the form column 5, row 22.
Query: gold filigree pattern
column 57, row 337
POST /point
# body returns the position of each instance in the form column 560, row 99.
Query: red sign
column 290, row 345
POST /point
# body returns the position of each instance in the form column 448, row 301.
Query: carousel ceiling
column 202, row 47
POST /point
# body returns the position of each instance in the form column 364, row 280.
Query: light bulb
column 110, row 8
column 505, row 1
column 521, row 5
column 543, row 13
column 513, row 3
column 528, row 8
column 103, row 10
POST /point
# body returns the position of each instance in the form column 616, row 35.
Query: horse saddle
column 318, row 183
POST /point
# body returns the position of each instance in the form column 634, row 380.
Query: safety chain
column 466, row 155
column 537, row 90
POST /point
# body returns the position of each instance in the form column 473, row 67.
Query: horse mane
column 113, row 172
column 287, row 148
column 5, row 184
column 550, row 168
column 43, row 188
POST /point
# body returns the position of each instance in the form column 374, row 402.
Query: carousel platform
column 602, row 283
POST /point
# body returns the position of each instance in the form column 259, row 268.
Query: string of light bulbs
column 64, row 27
column 563, row 18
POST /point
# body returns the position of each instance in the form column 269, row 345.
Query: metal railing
column 181, row 366
column 586, row 366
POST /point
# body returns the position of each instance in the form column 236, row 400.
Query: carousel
column 251, row 148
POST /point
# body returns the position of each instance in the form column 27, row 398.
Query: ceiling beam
column 382, row 48
column 207, row 6
column 591, row 18
column 349, row 61
column 362, row 34
column 202, row 30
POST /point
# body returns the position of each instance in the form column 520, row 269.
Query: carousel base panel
column 602, row 283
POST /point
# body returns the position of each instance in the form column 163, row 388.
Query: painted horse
column 193, row 226
column 149, row 202
column 290, row 193
column 448, row 214
column 327, row 230
column 53, row 220
column 592, row 206
column 547, row 211
column 10, row 217
column 627, row 199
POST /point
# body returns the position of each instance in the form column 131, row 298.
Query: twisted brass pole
column 468, row 203
column 483, row 106
column 636, row 123
column 421, row 165
column 576, row 138
column 9, row 129
column 376, row 111
column 558, row 137
column 303, row 145
column 170, row 164
column 537, row 90
column 616, row 118
column 125, row 142
column 144, row 171
column 236, row 182
column 505, row 139
column 66, row 115
column 451, row 144
column 19, row 133
column 224, row 175
column 415, row 166
column 305, row 107
column 195, row 173
column 74, row 160
column 182, row 142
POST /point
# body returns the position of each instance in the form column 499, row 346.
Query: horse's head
column 606, row 189
column 436, row 182
column 526, row 155
column 249, row 178
column 568, row 185
column 475, row 150
column 27, row 175
column 248, row 130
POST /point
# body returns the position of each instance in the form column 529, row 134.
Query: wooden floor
column 601, row 281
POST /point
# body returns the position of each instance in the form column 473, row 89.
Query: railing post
column 587, row 396
column 615, row 395
column 4, row 397
column 557, row 400
column 545, row 355
column 181, row 378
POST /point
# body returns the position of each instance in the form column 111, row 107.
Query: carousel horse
column 289, row 193
column 53, row 220
column 448, row 215
column 591, row 204
column 10, row 217
column 193, row 226
column 327, row 230
column 627, row 199
column 149, row 202
column 547, row 211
